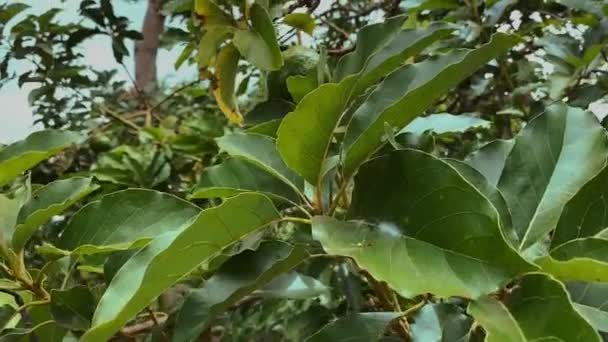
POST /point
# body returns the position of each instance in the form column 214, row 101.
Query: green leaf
column 590, row 302
column 10, row 11
column 262, row 151
column 407, row 92
column 293, row 285
column 226, row 71
column 235, row 279
column 585, row 215
column 300, row 85
column 46, row 202
column 235, row 175
column 174, row 254
column 445, row 123
column 537, row 309
column 584, row 259
column 552, row 159
column 73, row 308
column 125, row 219
column 597, row 318
column 430, row 222
column 358, row 327
column 211, row 13
column 184, row 55
column 492, row 194
column 38, row 146
column 211, row 40
column 591, row 6
column 306, row 133
column 382, row 48
column 270, row 110
column 490, row 159
column 440, row 322
column 301, row 21
column 260, row 45
column 493, row 13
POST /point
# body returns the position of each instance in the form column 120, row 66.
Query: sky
column 16, row 114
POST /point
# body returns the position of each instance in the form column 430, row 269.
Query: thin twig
column 336, row 28
column 119, row 117
column 175, row 92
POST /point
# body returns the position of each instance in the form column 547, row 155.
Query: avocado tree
column 425, row 177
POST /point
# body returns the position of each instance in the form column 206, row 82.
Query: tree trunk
column 147, row 48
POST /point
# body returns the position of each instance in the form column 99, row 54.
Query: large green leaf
column 38, row 146
column 584, row 259
column 174, row 254
column 358, row 327
column 537, row 309
column 306, row 133
column 440, row 322
column 553, row 157
column 422, row 217
column 491, row 192
column 259, row 45
column 236, row 175
column 590, row 302
column 490, row 159
column 262, row 151
column 585, row 214
column 73, row 308
column 407, row 92
column 125, row 219
column 382, row 48
column 50, row 200
column 578, row 245
column 236, row 278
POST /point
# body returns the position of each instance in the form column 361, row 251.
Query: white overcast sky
column 16, row 114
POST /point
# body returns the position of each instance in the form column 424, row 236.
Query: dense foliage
column 372, row 170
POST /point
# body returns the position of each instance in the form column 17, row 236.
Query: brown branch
column 144, row 326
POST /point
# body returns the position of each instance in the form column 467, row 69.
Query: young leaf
column 262, row 151
column 358, row 327
column 552, row 159
column 38, row 146
column 433, row 231
column 236, row 278
column 226, row 70
column 236, row 175
column 538, row 308
column 174, row 254
column 124, row 219
column 46, row 202
column 259, row 45
column 306, row 133
column 301, row 21
column 407, row 92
